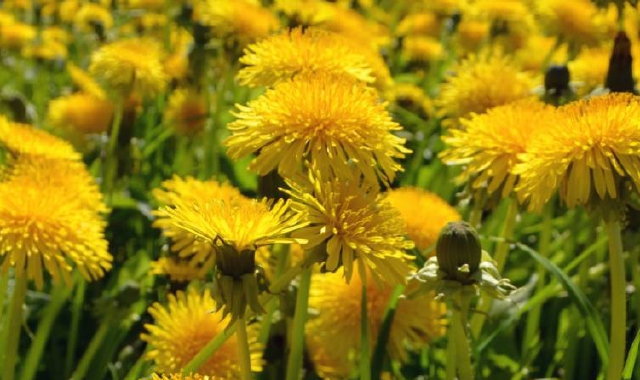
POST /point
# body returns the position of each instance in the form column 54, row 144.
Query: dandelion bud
column 620, row 73
column 459, row 251
column 556, row 79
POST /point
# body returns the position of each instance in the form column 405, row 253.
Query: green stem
column 635, row 275
column 475, row 216
column 94, row 345
column 378, row 358
column 76, row 314
column 207, row 351
column 243, row 349
column 618, row 301
column 365, row 349
column 284, row 280
column 459, row 336
column 14, row 327
column 4, row 283
column 478, row 319
column 58, row 298
column 294, row 364
column 451, row 365
column 282, row 254
column 111, row 163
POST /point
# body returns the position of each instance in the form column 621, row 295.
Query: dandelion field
column 310, row 189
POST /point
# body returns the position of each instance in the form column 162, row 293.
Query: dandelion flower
column 15, row 35
column 333, row 337
column 488, row 144
column 424, row 214
column 356, row 223
column 179, row 376
column 472, row 33
column 411, row 97
column 185, row 243
column 23, row 139
column 578, row 21
column 186, row 111
column 44, row 50
column 589, row 69
column 423, row 49
column 85, row 82
column 239, row 20
column 45, row 222
column 331, row 120
column 286, row 55
column 91, row 15
column 81, row 113
column 127, row 65
column 590, row 147
column 481, row 82
column 177, row 270
column 421, row 24
column 184, row 326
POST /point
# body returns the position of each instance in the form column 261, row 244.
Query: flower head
column 333, row 336
column 333, row 121
column 356, row 223
column 128, row 65
column 422, row 48
column 578, row 21
column 179, row 376
column 488, row 144
column 589, row 68
column 420, row 23
column 424, row 214
column 25, row 140
column 186, row 111
column 177, row 270
column 482, row 82
column 91, row 15
column 81, row 113
column 590, row 147
column 50, row 219
column 85, row 82
column 296, row 52
column 184, row 326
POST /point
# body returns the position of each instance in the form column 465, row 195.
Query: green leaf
column 385, row 330
column 630, row 365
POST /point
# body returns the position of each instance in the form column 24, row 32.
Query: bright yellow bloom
column 179, row 376
column 239, row 20
column 333, row 121
column 85, row 82
column 45, row 222
column 177, row 270
column 305, row 12
column 420, row 23
column 186, row 111
column 356, row 223
column 44, row 50
column 25, row 140
column 90, row 15
column 488, row 144
column 419, row 48
column 529, row 57
column 81, row 113
column 587, row 151
column 589, row 69
column 296, row 52
column 186, row 244
column 128, row 65
column 333, row 336
column 578, row 21
column 472, row 33
column 411, row 97
column 424, row 214
column 184, row 326
column 355, row 27
column 16, row 35
column 482, row 82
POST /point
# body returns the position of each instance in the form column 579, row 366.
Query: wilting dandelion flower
column 488, row 144
column 130, row 65
column 333, row 336
column 296, row 52
column 23, row 139
column 424, row 214
column 50, row 222
column 333, row 121
column 356, row 223
column 187, row 244
column 240, row 20
column 184, row 326
column 590, row 147
column 481, row 82
column 186, row 111
column 81, row 113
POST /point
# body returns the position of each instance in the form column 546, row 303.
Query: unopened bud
column 459, row 251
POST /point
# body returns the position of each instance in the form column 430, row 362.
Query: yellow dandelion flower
column 240, row 20
column 296, row 52
column 472, row 33
column 333, row 336
column 530, row 59
column 45, row 222
column 57, row 34
column 488, row 144
column 354, row 26
column 127, row 65
column 304, row 12
column 81, row 113
column 412, row 97
column 184, row 326
column 578, row 21
column 422, row 228
column 85, row 82
column 423, row 49
column 420, row 23
column 177, row 270
column 179, row 376
column 44, row 50
column 90, row 15
column 439, row 7
column 332, row 120
column 589, row 69
column 590, row 146
column 23, row 139
column 186, row 111
column 187, row 244
column 357, row 225
column 16, row 35
column 481, row 82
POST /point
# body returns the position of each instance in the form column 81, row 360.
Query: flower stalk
column 618, row 301
column 294, row 363
column 243, row 348
column 14, row 328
